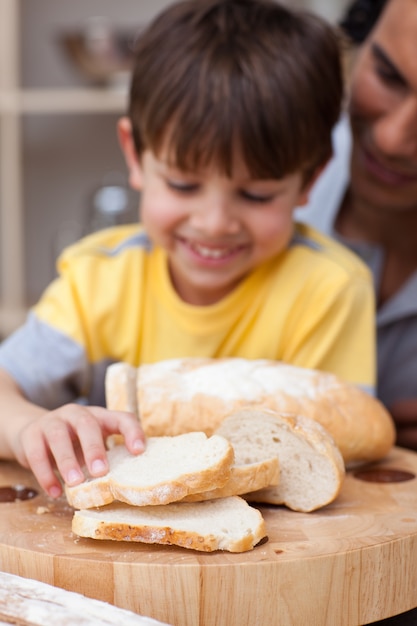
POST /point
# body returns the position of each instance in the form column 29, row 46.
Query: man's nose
column 395, row 133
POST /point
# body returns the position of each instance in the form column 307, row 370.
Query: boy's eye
column 255, row 197
column 181, row 186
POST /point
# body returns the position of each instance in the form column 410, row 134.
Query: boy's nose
column 215, row 218
column 395, row 133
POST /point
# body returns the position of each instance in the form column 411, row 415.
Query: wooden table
column 346, row 565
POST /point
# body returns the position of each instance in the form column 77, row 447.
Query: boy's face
column 214, row 229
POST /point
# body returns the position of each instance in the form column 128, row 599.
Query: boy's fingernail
column 54, row 492
column 74, row 476
column 98, row 466
column 138, row 446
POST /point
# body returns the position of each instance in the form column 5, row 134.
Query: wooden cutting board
column 349, row 564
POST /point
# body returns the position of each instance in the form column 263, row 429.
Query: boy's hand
column 70, row 436
column 404, row 413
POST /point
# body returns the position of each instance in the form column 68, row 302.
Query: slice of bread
column 223, row 524
column 252, row 470
column 169, row 469
column 311, row 466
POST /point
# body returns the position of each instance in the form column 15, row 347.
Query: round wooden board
column 349, row 564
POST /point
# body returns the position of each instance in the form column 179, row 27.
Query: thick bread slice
column 180, row 395
column 243, row 478
column 169, row 469
column 224, row 524
column 252, row 470
column 311, row 466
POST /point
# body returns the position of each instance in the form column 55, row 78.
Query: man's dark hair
column 360, row 18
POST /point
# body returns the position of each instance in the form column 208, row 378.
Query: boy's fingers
column 127, row 424
column 61, row 447
column 58, row 437
column 88, row 435
column 134, row 436
column 36, row 457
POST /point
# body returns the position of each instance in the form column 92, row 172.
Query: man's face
column 383, row 109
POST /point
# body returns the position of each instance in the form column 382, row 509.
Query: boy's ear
column 305, row 192
column 124, row 132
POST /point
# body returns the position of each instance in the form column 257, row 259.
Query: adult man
column 367, row 196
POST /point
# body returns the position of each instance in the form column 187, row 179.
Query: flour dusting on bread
column 180, row 395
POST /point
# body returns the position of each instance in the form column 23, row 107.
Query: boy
column 231, row 110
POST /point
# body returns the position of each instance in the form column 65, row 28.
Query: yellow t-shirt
column 311, row 306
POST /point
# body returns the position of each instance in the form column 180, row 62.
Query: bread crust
column 243, row 478
column 120, row 388
column 312, row 468
column 180, row 395
column 125, row 482
column 107, row 524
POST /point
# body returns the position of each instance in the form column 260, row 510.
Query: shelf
column 10, row 319
column 15, row 102
column 76, row 100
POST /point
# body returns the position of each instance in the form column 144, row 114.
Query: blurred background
column 64, row 69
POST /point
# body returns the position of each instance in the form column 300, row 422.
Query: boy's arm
column 15, row 413
column 62, row 439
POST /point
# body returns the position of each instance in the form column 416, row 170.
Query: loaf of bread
column 181, row 395
column 169, row 469
column 26, row 602
column 223, row 524
column 311, row 466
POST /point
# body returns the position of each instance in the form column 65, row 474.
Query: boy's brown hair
column 213, row 76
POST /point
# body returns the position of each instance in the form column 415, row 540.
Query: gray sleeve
column 50, row 368
column 327, row 193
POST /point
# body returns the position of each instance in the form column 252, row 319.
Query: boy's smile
column 209, row 254
column 215, row 229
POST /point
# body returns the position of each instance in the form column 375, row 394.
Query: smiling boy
column 231, row 109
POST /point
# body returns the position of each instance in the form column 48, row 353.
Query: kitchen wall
column 66, row 157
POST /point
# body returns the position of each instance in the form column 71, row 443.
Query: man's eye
column 255, row 197
column 390, row 77
column 181, row 186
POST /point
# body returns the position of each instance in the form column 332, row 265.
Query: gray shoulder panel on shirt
column 50, row 368
column 300, row 240
column 138, row 240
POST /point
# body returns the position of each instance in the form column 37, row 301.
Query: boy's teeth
column 210, row 253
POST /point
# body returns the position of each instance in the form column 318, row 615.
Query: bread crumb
column 41, row 510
